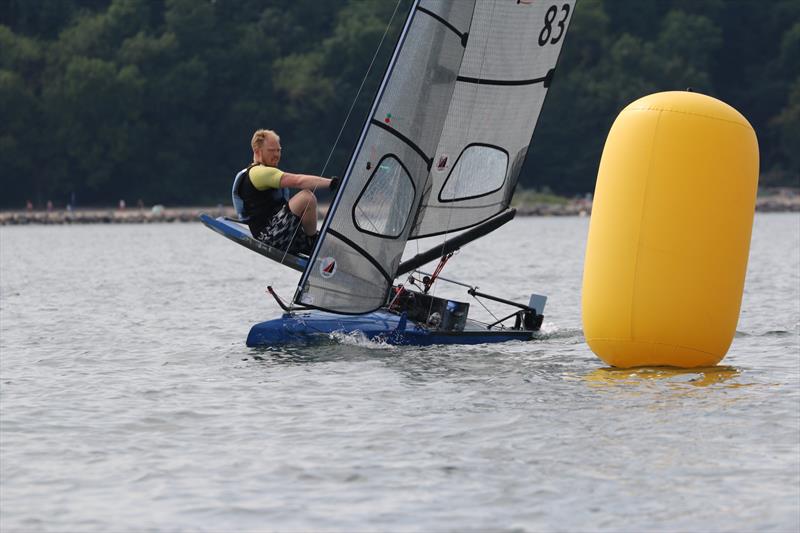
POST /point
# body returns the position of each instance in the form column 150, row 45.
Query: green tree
column 602, row 71
column 21, row 145
column 157, row 99
column 93, row 112
column 20, row 141
column 786, row 125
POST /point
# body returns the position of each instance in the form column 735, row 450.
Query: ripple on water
column 130, row 402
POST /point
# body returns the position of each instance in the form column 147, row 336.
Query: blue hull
column 383, row 326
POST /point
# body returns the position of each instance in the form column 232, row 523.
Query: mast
column 363, row 236
column 335, row 204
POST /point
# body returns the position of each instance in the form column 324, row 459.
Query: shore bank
column 778, row 200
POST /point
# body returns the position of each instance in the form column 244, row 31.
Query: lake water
column 128, row 400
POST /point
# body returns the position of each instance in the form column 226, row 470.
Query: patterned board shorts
column 284, row 233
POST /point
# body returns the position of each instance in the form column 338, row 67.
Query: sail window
column 480, row 170
column 385, row 203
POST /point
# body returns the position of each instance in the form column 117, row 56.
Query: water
column 128, row 400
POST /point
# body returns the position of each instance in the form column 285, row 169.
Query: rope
column 436, row 272
column 485, row 308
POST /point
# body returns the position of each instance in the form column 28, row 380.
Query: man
column 261, row 198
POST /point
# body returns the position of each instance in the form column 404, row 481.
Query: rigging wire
column 485, row 308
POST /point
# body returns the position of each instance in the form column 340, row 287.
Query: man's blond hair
column 260, row 136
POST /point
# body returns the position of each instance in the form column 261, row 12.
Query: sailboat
column 439, row 155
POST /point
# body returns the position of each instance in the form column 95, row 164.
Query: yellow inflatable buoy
column 670, row 232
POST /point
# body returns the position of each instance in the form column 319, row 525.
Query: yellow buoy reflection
column 698, row 377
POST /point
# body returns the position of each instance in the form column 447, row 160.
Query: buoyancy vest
column 255, row 207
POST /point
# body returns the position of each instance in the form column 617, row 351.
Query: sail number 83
column 549, row 17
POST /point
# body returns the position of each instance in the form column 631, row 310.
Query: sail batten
column 461, row 35
column 483, row 81
column 428, row 160
column 360, row 250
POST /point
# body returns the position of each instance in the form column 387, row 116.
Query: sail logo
column 442, row 163
column 327, row 267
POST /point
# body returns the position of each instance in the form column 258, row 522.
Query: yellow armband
column 264, row 178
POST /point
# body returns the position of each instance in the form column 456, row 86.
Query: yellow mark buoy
column 670, row 232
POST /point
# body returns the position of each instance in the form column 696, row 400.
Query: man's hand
column 334, row 185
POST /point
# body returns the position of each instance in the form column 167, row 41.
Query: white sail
column 509, row 62
column 444, row 143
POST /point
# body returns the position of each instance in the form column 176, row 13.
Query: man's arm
column 304, row 181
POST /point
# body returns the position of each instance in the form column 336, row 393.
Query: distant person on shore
column 261, row 198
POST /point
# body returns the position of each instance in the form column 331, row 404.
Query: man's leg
column 304, row 205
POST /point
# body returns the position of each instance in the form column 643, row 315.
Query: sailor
column 261, row 198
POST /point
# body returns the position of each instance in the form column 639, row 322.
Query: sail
column 365, row 232
column 444, row 143
column 501, row 86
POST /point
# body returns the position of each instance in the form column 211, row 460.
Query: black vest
column 258, row 206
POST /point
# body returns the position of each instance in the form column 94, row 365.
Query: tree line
column 156, row 99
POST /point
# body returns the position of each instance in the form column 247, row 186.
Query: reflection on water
column 698, row 377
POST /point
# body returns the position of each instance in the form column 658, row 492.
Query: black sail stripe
column 480, row 81
column 446, row 23
column 361, row 251
column 409, row 142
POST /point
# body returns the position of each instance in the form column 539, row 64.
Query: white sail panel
column 510, row 58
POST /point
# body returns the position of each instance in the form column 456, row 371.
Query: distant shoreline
column 783, row 200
